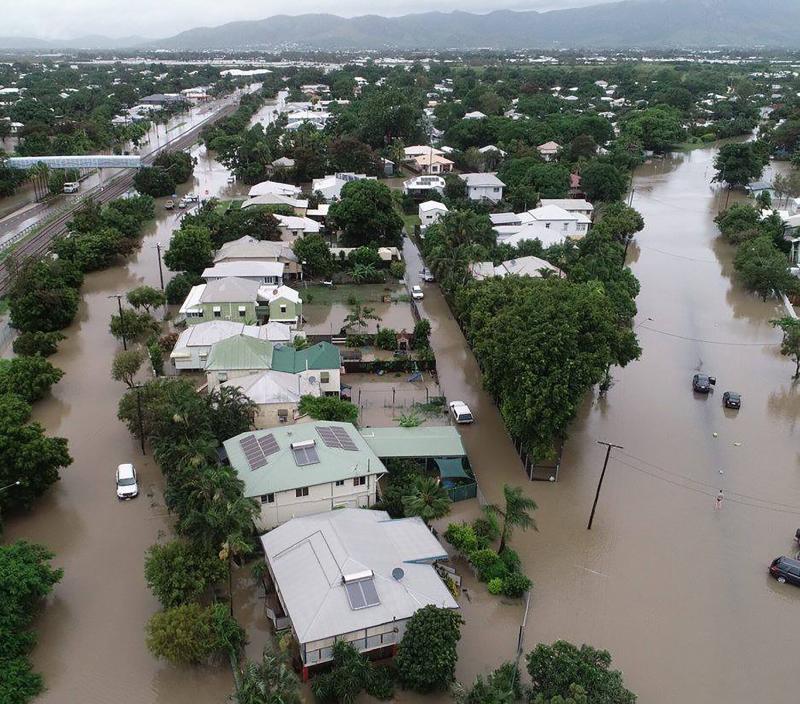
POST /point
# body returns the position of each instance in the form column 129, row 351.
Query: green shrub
column 28, row 344
column 487, row 528
column 511, row 560
column 397, row 269
column 356, row 340
column 515, row 585
column 462, row 537
column 488, row 564
column 386, row 339
column 709, row 137
column 380, row 683
column 495, row 586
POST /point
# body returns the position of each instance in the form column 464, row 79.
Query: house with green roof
column 321, row 362
column 237, row 356
column 306, row 468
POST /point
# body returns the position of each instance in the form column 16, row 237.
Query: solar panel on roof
column 268, row 445
column 345, row 441
column 327, row 436
column 370, row 593
column 305, row 455
column 362, row 594
column 253, row 452
column 336, row 437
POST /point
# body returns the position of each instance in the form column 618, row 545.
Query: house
column 292, row 226
column 491, row 148
column 483, row 186
column 304, row 469
column 322, row 361
column 571, row 205
column 254, row 270
column 385, row 254
column 285, row 304
column 283, row 162
column 549, row 150
column 299, row 118
column 299, row 205
column 194, row 343
column 431, row 164
column 521, row 266
column 756, row 188
column 545, row 221
column 474, row 115
column 231, row 298
column 430, row 212
column 351, row 575
column 163, row 99
column 331, row 186
column 250, row 249
column 275, row 394
column 422, row 186
column 237, row 356
column 411, row 153
column 274, row 188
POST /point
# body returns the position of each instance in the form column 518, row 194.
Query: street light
column 9, row 486
column 160, row 270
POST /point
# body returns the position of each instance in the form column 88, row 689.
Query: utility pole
column 160, row 270
column 602, row 475
column 138, row 388
column 118, row 296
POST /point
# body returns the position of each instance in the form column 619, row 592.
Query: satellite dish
column 312, row 380
column 398, row 573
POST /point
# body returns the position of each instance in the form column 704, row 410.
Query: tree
column 26, row 579
column 328, row 408
column 270, row 681
column 37, row 343
column 501, row 687
column 26, row 455
column 427, row 499
column 179, row 286
column 516, row 513
column 603, row 182
column 422, row 334
column 349, row 154
column 154, row 182
column 126, row 365
column 555, row 668
column 146, row 297
column 656, row 128
column 621, row 222
column 366, row 214
column 30, row 378
column 386, row 339
column 43, row 296
column 762, row 267
column 132, row 325
column 190, row 634
column 190, row 250
column 790, row 345
column 232, row 412
column 314, row 254
column 347, row 678
column 737, row 164
column 359, row 317
column 178, row 573
column 577, row 695
column 426, row 659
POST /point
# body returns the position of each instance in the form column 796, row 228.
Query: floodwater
column 676, row 590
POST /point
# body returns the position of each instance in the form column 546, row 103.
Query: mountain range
column 623, row 25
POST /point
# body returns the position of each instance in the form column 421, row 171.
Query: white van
column 460, row 412
column 72, row 186
column 127, row 486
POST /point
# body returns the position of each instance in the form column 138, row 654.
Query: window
column 299, row 493
column 359, row 481
column 267, row 498
column 565, row 226
column 203, row 355
column 217, row 312
column 325, row 377
column 496, row 190
column 283, row 308
column 242, row 311
column 222, row 376
column 547, row 226
column 340, row 482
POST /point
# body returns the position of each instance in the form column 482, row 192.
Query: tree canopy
column 366, row 215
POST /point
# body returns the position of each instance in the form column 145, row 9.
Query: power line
column 678, row 256
column 708, row 342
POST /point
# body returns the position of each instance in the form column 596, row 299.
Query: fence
column 463, row 492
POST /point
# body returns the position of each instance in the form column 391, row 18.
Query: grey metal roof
column 310, row 555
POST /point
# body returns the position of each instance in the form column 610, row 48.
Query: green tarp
column 450, row 468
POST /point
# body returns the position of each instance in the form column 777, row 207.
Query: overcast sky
column 67, row 19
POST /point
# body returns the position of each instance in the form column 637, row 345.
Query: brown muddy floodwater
column 678, row 592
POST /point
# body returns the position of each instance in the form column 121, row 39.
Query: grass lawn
column 410, row 221
column 342, row 293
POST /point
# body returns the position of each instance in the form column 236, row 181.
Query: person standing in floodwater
column 718, row 501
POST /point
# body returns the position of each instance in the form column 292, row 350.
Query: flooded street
column 678, row 592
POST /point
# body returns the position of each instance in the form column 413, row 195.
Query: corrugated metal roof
column 310, row 555
column 240, row 352
column 281, row 472
column 431, row 441
column 323, row 355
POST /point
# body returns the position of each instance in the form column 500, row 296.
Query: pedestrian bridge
column 88, row 161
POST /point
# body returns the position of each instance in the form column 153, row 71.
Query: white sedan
column 416, row 293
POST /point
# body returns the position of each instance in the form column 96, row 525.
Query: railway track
column 39, row 242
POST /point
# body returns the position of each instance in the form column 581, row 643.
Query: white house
column 194, row 343
column 547, row 221
column 549, row 150
column 254, row 270
column 521, row 266
column 431, row 164
column 421, row 186
column 284, row 304
column 430, row 212
column 292, row 226
column 275, row 394
column 304, row 469
column 250, row 249
column 474, row 115
column 483, row 186
column 299, row 205
column 414, row 151
column 571, row 205
column 298, row 118
column 331, row 186
column 274, row 188
column 351, row 575
column 491, row 148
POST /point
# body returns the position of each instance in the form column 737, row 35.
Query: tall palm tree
column 516, row 513
column 428, row 500
column 270, row 681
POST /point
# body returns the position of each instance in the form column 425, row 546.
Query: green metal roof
column 281, row 472
column 323, row 355
column 431, row 441
column 240, row 352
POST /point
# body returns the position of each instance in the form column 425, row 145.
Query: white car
column 182, row 203
column 427, row 275
column 416, row 293
column 127, row 486
column 460, row 412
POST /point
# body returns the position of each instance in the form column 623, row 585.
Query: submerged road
column 678, row 592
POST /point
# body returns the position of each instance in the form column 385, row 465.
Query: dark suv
column 785, row 569
column 732, row 399
column 702, row 383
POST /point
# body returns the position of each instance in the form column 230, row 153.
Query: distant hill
column 633, row 23
column 627, row 24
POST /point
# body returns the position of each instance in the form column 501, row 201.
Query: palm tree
column 267, row 682
column 428, row 500
column 515, row 514
column 358, row 316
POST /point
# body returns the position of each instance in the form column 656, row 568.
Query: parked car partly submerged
column 786, row 569
column 732, row 399
column 460, row 412
column 127, row 484
column 416, row 293
column 702, row 383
